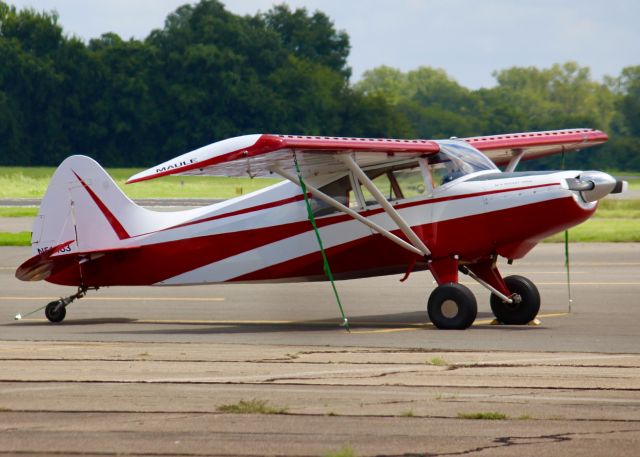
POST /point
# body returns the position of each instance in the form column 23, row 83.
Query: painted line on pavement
column 159, row 298
column 476, row 323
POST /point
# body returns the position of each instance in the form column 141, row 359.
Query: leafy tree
column 311, row 37
column 208, row 74
column 558, row 97
column 627, row 86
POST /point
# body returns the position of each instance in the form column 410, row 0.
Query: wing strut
column 389, row 209
column 340, row 207
column 515, row 160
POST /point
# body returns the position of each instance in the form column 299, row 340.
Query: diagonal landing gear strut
column 56, row 310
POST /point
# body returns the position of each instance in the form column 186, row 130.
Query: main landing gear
column 522, row 310
column 56, row 311
column 452, row 306
column 515, row 300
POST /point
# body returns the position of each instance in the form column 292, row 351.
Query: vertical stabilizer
column 84, row 205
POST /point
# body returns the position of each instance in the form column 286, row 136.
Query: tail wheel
column 519, row 312
column 452, row 306
column 54, row 312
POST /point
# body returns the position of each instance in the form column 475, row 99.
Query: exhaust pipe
column 594, row 185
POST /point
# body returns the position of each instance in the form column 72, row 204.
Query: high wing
column 257, row 155
column 532, row 145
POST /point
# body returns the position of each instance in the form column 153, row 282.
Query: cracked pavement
column 145, row 371
column 104, row 397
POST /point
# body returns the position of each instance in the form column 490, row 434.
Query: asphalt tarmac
column 137, row 371
column 605, row 287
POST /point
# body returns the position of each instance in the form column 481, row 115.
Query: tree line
column 209, row 74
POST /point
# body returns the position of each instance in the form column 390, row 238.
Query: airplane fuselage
column 266, row 236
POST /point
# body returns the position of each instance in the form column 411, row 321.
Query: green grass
column 602, row 230
column 18, row 211
column 32, row 182
column 251, row 407
column 614, row 221
column 344, row 452
column 437, row 361
column 15, row 239
column 632, row 177
column 492, row 416
column 620, row 209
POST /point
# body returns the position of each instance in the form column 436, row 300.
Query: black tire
column 517, row 313
column 55, row 316
column 452, row 306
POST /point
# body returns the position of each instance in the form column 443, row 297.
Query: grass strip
column 344, row 452
column 602, row 230
column 15, row 239
column 32, row 182
column 251, row 407
column 18, row 211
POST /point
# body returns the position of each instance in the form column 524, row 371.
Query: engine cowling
column 595, row 185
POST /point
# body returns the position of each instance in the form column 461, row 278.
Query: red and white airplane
column 382, row 206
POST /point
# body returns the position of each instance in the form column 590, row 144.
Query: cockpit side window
column 384, row 180
column 455, row 159
column 396, row 182
column 340, row 190
column 410, row 181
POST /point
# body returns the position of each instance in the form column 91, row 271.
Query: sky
column 470, row 39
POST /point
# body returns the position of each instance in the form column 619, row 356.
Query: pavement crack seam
column 340, row 375
column 294, row 414
column 534, row 365
column 268, row 382
column 512, row 441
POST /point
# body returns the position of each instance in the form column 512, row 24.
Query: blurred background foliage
column 209, row 74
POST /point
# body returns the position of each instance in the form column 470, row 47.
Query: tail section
column 84, row 207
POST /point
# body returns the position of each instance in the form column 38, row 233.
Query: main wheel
column 517, row 313
column 54, row 315
column 452, row 306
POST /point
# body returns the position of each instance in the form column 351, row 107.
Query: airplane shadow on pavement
column 172, row 327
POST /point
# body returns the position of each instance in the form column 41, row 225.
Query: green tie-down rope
column 566, row 251
column 327, row 269
column 566, row 265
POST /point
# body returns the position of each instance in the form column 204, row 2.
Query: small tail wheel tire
column 517, row 313
column 55, row 315
column 452, row 306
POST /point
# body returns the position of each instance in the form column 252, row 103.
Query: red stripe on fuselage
column 113, row 221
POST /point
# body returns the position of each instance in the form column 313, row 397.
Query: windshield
column 458, row 158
